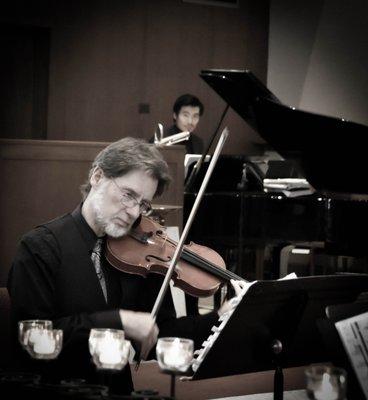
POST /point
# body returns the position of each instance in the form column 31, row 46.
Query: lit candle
column 175, row 356
column 33, row 335
column 44, row 343
column 109, row 350
column 326, row 391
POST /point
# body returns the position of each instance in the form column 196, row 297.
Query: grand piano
column 249, row 227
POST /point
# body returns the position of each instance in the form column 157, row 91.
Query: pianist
column 187, row 112
column 59, row 273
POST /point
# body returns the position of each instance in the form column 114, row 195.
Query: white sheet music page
column 290, row 187
column 354, row 335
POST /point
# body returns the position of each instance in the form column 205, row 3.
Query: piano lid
column 330, row 151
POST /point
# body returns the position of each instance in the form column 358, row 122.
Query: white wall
column 318, row 56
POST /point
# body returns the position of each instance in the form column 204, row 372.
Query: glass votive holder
column 174, row 355
column 325, row 382
column 96, row 334
column 44, row 344
column 34, row 324
column 108, row 348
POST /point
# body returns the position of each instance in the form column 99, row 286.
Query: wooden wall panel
column 24, row 81
column 107, row 57
column 41, row 180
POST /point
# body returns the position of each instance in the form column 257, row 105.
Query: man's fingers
column 141, row 328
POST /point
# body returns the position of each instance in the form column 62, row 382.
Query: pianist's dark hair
column 130, row 154
column 187, row 100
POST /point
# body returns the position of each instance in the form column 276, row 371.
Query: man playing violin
column 60, row 272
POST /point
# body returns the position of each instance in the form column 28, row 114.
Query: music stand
column 284, row 311
column 334, row 346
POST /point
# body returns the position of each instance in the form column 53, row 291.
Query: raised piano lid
column 330, row 152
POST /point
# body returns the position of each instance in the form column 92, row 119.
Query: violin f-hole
column 149, row 256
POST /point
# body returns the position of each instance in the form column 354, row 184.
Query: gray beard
column 115, row 231
column 104, row 226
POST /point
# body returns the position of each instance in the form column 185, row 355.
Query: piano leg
column 259, row 262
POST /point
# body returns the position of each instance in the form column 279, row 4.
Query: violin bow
column 180, row 245
column 195, row 171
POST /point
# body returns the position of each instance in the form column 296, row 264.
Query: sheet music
column 290, row 187
column 192, row 158
column 174, row 139
column 292, row 275
column 354, row 336
column 286, row 183
column 223, row 320
column 216, row 330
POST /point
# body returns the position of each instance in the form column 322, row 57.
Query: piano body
column 249, row 227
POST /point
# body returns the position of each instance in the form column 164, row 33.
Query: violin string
column 165, row 239
column 210, row 266
column 205, row 263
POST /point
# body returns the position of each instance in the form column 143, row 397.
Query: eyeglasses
column 129, row 201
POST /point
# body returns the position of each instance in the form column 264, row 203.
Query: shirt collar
column 85, row 230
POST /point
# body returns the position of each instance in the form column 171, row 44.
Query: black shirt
column 111, row 274
column 53, row 277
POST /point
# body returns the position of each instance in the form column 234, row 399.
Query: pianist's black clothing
column 192, row 146
column 53, row 277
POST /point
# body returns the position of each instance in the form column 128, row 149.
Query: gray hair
column 130, row 154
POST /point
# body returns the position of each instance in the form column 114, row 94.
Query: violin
column 200, row 270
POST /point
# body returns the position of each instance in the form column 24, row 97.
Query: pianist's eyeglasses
column 128, row 200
